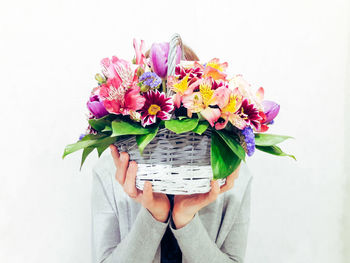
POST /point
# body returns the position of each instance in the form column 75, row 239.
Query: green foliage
column 145, row 139
column 223, row 160
column 275, row 150
column 265, row 139
column 120, row 127
column 201, row 127
column 104, row 144
column 104, row 123
column 85, row 154
column 88, row 140
column 232, row 143
column 181, row 126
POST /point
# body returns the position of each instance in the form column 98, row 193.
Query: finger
column 122, row 167
column 230, row 180
column 214, row 191
column 147, row 196
column 115, row 154
column 130, row 180
column 228, row 184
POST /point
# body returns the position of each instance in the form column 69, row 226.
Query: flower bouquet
column 184, row 122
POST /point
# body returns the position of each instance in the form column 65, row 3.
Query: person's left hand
column 186, row 206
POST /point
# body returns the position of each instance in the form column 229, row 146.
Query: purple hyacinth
column 151, row 79
column 249, row 140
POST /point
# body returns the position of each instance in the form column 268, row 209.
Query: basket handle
column 173, row 45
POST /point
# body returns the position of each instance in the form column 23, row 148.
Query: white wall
column 49, row 53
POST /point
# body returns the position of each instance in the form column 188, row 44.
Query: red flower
column 250, row 114
column 156, row 106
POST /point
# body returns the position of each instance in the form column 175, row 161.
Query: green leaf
column 223, row 160
column 99, row 124
column 265, row 139
column 182, row 117
column 107, row 129
column 144, row 140
column 275, row 150
column 104, row 144
column 85, row 154
column 120, row 127
column 201, row 127
column 88, row 140
column 181, row 126
column 233, row 144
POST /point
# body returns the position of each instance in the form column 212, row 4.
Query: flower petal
column 211, row 115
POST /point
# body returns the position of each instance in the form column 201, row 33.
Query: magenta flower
column 159, row 58
column 120, row 100
column 250, row 114
column 95, row 106
column 156, row 106
column 271, row 109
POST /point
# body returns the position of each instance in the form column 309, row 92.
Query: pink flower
column 159, row 58
column 271, row 109
column 239, row 85
column 228, row 113
column 200, row 102
column 156, row 106
column 118, row 99
column 140, row 56
column 215, row 69
column 119, row 69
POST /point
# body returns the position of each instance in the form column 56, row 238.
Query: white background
column 297, row 50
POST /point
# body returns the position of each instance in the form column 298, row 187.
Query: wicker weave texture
column 174, row 163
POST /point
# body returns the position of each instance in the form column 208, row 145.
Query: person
column 130, row 225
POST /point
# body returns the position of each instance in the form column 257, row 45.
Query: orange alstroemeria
column 199, row 102
column 182, row 88
column 215, row 69
column 228, row 113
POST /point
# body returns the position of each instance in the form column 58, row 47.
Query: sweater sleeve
column 197, row 246
column 139, row 245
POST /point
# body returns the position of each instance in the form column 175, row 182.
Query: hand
column 157, row 204
column 186, row 206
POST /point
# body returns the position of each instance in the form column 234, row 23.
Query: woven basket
column 174, row 163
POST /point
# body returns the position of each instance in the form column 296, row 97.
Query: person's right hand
column 157, row 203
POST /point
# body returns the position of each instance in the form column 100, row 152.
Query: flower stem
column 164, row 87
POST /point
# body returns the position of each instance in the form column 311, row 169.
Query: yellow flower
column 231, row 105
column 207, row 93
column 181, row 86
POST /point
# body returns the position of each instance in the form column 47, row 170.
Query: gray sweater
column 123, row 231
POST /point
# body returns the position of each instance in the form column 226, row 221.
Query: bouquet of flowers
column 138, row 98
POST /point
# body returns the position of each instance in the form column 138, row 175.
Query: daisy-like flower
column 194, row 72
column 157, row 105
column 250, row 114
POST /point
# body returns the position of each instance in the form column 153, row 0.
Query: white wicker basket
column 174, row 163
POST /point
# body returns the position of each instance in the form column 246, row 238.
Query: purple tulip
column 271, row 110
column 159, row 58
column 95, row 106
